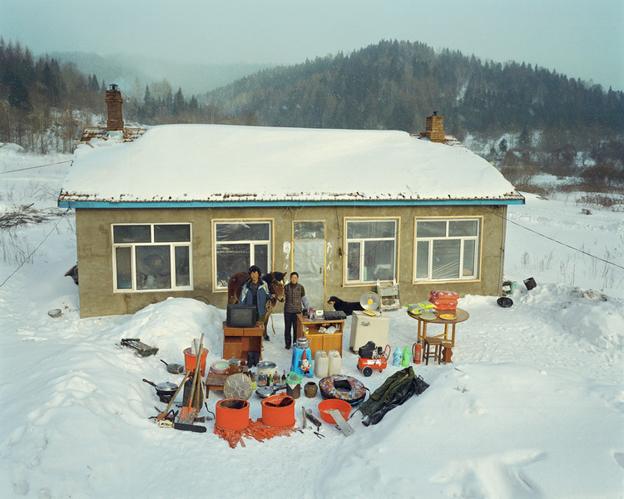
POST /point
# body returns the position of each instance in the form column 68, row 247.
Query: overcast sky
column 582, row 38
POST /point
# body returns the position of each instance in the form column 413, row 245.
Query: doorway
column 309, row 259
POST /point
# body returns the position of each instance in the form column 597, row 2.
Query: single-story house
column 174, row 210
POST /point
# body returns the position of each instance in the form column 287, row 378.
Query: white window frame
column 478, row 249
column 172, row 247
column 252, row 244
column 347, row 240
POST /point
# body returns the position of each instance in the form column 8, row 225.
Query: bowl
column 329, row 404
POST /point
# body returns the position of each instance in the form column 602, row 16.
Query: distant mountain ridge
column 395, row 84
column 132, row 72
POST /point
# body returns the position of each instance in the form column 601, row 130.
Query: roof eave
column 74, row 202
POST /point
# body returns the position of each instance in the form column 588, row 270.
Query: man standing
column 293, row 296
column 256, row 292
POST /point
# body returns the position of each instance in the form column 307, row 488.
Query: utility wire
column 38, row 166
column 562, row 243
column 30, row 255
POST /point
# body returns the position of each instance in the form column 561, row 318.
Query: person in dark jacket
column 294, row 294
column 256, row 292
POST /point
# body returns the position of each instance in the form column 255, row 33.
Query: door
column 309, row 259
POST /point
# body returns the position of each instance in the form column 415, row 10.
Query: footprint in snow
column 498, row 476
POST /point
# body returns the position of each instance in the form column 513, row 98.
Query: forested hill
column 394, row 85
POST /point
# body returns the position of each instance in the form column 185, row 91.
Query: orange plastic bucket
column 327, row 405
column 190, row 361
column 278, row 410
column 232, row 414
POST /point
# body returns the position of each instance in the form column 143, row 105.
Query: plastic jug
column 407, row 357
column 335, row 362
column 321, row 364
column 397, row 357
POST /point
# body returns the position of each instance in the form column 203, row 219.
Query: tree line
column 395, row 84
column 45, row 105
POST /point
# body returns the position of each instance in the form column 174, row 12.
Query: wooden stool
column 436, row 354
column 447, row 352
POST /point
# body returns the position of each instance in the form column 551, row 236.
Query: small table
column 215, row 382
column 309, row 328
column 460, row 316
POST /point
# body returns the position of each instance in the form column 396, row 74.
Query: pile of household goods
column 341, row 396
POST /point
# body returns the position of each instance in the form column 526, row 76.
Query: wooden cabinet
column 318, row 340
column 239, row 341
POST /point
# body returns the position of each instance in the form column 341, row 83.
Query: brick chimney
column 114, row 119
column 434, row 128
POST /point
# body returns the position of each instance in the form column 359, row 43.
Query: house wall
column 93, row 232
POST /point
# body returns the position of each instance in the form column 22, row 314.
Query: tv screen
column 241, row 315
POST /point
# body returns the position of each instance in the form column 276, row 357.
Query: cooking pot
column 173, row 368
column 266, row 367
column 164, row 390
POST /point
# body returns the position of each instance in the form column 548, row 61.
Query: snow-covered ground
column 531, row 407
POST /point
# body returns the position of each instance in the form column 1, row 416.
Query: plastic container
column 278, row 410
column 335, row 362
column 232, row 414
column 397, row 357
column 190, row 361
column 337, row 404
column 321, row 364
column 407, row 357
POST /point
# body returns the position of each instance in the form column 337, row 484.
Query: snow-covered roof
column 225, row 163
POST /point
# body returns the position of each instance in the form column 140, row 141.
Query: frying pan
column 164, row 390
column 173, row 368
column 266, row 391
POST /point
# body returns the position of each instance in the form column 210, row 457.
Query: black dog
column 348, row 307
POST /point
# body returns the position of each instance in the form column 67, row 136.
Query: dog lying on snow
column 348, row 307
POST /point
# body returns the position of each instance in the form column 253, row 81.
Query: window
column 238, row 246
column 371, row 250
column 151, row 257
column 446, row 249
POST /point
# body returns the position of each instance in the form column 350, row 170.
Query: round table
column 460, row 316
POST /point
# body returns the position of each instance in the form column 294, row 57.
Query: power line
column 30, row 255
column 562, row 243
column 38, row 166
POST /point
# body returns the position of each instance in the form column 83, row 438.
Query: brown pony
column 275, row 282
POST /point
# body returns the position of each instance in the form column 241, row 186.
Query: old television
column 241, row 315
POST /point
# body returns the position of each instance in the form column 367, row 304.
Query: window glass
column 370, row 230
column 353, row 262
column 445, row 259
column 261, row 257
column 231, row 258
column 430, row 229
column 132, row 234
column 309, row 230
column 172, row 233
column 240, row 231
column 463, row 228
column 183, row 274
column 153, row 267
column 123, row 260
column 469, row 258
column 378, row 260
column 422, row 259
